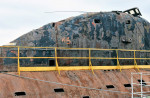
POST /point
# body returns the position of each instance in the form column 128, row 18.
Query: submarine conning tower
column 102, row 30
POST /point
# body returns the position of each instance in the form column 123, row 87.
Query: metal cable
column 67, row 11
column 65, row 84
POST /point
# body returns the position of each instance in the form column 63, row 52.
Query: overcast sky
column 18, row 17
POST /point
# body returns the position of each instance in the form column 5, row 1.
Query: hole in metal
column 97, row 20
column 110, row 86
column 143, row 82
column 127, row 85
column 128, row 22
column 53, row 24
column 20, row 93
column 86, row 97
column 57, row 90
column 51, row 62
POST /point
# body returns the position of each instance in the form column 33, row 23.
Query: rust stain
column 66, row 40
column 13, row 52
column 93, row 24
column 84, row 78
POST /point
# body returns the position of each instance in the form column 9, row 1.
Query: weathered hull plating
column 99, row 80
column 107, row 30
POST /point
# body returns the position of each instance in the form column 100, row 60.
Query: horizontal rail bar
column 144, row 95
column 78, row 68
column 74, row 58
column 73, row 48
column 146, row 85
column 142, row 92
column 145, row 74
column 9, row 57
column 137, row 84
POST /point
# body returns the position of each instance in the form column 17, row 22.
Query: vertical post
column 132, row 83
column 135, row 63
column 90, row 63
column 19, row 61
column 141, row 87
column 118, row 64
column 134, row 60
column 56, row 61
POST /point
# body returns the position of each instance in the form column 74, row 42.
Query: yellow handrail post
column 90, row 67
column 135, row 63
column 19, row 61
column 118, row 64
column 90, row 63
column 56, row 61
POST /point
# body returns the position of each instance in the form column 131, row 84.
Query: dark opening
column 59, row 90
column 20, row 93
column 86, row 97
column 97, row 20
column 108, row 70
column 110, row 86
column 3, row 71
column 51, row 62
column 53, row 24
column 128, row 22
column 142, row 82
column 127, row 85
column 126, row 41
column 117, row 12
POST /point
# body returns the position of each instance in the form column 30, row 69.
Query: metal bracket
column 56, row 61
column 135, row 63
column 90, row 63
column 19, row 61
column 118, row 64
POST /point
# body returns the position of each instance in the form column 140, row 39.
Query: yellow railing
column 90, row 67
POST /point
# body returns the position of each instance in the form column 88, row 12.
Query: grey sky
column 18, row 17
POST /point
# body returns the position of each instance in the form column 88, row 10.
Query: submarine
column 125, row 30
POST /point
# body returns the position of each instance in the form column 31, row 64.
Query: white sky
column 18, row 17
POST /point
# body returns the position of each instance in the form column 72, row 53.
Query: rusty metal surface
column 106, row 30
column 35, row 89
column 112, row 30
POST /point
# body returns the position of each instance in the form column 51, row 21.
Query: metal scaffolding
column 142, row 84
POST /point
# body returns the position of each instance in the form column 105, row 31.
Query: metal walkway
column 90, row 67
